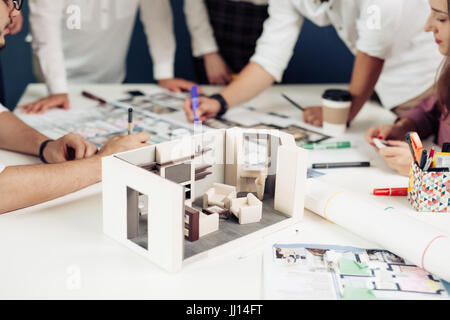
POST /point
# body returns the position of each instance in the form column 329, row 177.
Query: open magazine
column 302, row 271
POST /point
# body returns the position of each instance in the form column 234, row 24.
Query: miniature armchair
column 219, row 195
column 247, row 210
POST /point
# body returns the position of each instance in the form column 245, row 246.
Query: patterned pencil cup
column 429, row 191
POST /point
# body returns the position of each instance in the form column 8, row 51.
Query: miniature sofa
column 247, row 210
column 219, row 195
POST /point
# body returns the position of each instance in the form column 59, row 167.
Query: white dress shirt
column 2, row 166
column 85, row 41
column 202, row 33
column 391, row 30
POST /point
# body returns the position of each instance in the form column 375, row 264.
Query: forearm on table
column 366, row 72
column 406, row 125
column 16, row 136
column 422, row 119
column 24, row 186
column 253, row 80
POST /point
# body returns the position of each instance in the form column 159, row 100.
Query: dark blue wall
column 321, row 58
column 16, row 68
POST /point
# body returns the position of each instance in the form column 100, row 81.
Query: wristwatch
column 223, row 104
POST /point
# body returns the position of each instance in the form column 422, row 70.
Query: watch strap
column 223, row 104
column 41, row 150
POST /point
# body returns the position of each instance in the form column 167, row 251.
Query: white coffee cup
column 336, row 106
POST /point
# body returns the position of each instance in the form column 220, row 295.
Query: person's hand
column 313, row 115
column 120, row 144
column 178, row 85
column 16, row 26
column 70, row 147
column 395, row 131
column 398, row 157
column 53, row 101
column 217, row 70
column 207, row 109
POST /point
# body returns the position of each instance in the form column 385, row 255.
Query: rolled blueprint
column 409, row 238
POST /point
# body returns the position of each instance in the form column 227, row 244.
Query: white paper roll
column 415, row 241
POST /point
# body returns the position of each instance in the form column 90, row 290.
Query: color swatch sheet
column 251, row 118
column 159, row 113
column 416, row 241
column 99, row 123
column 303, row 271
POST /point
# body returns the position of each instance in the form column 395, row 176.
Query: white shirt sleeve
column 275, row 48
column 2, row 109
column 157, row 17
column 377, row 26
column 202, row 34
column 45, row 24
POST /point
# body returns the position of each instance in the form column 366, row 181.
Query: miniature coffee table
column 223, row 213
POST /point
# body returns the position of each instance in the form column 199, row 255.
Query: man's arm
column 16, row 136
column 375, row 40
column 45, row 25
column 253, row 80
column 24, row 186
column 366, row 72
column 273, row 53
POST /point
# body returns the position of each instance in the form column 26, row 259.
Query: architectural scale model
column 176, row 200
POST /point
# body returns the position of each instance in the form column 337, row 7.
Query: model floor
column 229, row 230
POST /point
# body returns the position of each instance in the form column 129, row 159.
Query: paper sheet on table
column 248, row 117
column 415, row 241
column 286, row 283
column 99, row 123
column 309, row 271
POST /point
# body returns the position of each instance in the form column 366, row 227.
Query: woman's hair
column 443, row 84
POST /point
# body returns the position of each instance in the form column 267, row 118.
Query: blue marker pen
column 195, row 103
column 423, row 160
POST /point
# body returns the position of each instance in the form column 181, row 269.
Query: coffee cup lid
column 337, row 95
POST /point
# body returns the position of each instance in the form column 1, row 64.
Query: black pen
column 130, row 121
column 445, row 170
column 293, row 102
column 339, row 165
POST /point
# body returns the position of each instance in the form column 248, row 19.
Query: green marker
column 327, row 146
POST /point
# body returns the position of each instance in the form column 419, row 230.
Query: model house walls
column 140, row 156
column 165, row 211
column 216, row 158
column 174, row 176
column 290, row 181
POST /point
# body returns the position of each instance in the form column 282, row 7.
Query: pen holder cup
column 429, row 191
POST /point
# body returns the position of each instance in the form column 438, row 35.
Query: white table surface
column 59, row 250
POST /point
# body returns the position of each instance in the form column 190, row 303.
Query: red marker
column 393, row 192
column 94, row 97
